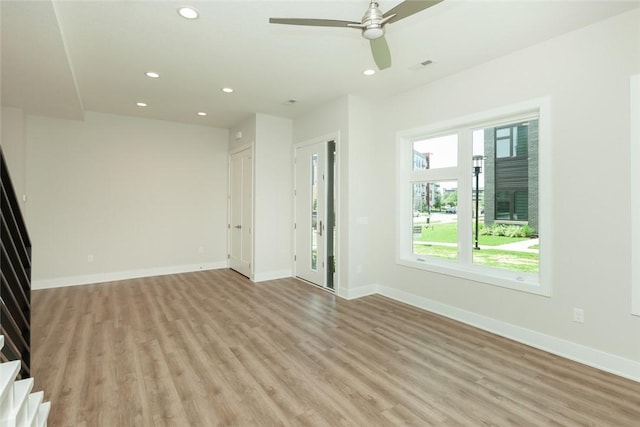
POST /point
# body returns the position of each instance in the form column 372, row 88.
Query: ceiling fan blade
column 381, row 53
column 313, row 22
column 408, row 8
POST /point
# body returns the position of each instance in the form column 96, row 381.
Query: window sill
column 524, row 282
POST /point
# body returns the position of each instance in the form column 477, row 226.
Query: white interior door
column 241, row 212
column 315, row 215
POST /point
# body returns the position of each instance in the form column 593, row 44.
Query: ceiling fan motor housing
column 373, row 22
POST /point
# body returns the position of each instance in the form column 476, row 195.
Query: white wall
column 14, row 144
column 141, row 196
column 242, row 135
column 273, row 198
column 586, row 73
column 635, row 193
column 363, row 195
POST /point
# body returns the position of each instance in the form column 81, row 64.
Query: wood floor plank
column 213, row 349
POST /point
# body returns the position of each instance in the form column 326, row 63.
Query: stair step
column 21, row 392
column 35, row 399
column 43, row 414
column 18, row 406
column 8, row 373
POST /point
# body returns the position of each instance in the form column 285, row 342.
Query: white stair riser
column 8, row 373
column 18, row 406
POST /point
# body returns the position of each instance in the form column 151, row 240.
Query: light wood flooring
column 211, row 348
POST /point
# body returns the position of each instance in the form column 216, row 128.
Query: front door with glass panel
column 315, row 213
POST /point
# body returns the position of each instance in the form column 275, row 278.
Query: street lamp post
column 477, row 170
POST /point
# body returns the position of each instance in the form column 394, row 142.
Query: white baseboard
column 123, row 275
column 577, row 352
column 362, row 291
column 272, row 275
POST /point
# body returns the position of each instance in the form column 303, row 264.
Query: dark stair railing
column 15, row 286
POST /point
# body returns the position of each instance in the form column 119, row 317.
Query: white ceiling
column 63, row 57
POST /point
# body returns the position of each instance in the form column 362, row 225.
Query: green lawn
column 447, row 233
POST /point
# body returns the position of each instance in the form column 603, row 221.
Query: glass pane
column 505, row 229
column 503, row 132
column 477, row 193
column 435, row 219
column 314, row 212
column 503, row 205
column 331, row 213
column 435, row 153
column 478, row 151
column 522, row 139
column 521, row 208
column 503, row 148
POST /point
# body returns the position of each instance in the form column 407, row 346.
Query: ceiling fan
column 372, row 25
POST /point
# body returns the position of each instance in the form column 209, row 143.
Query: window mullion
column 442, row 174
column 465, row 154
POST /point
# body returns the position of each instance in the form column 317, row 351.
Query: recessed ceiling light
column 202, row 113
column 188, row 12
column 369, row 72
column 227, row 90
column 141, row 104
column 152, row 74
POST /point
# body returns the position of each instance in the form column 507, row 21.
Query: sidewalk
column 522, row 246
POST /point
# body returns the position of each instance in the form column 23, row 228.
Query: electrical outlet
column 578, row 315
column 90, row 258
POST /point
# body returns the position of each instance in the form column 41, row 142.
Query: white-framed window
column 474, row 197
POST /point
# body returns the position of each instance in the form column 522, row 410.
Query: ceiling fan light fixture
column 373, row 33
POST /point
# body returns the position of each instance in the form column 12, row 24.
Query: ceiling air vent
column 421, row 65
